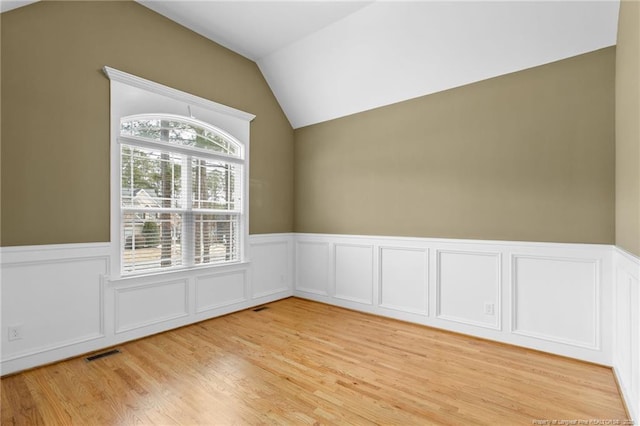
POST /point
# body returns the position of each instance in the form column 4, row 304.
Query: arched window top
column 179, row 130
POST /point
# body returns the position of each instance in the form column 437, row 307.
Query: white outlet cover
column 15, row 332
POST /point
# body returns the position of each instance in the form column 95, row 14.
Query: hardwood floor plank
column 25, row 409
column 301, row 362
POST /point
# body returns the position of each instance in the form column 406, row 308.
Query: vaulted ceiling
column 329, row 59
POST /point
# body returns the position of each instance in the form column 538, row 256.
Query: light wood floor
column 300, row 362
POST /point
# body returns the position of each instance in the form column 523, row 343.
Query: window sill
column 179, row 273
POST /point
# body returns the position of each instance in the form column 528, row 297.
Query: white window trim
column 189, row 101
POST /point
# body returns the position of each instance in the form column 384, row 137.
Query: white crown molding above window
column 179, row 95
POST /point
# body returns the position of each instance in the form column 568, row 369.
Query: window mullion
column 131, row 176
column 188, row 225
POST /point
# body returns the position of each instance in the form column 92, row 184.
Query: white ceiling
column 328, row 59
column 6, row 5
column 254, row 29
column 392, row 51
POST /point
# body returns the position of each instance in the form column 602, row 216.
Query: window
column 181, row 193
column 179, row 183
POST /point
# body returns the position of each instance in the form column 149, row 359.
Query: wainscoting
column 552, row 297
column 576, row 300
column 62, row 303
column 626, row 346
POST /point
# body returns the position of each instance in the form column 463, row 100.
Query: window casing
column 179, row 196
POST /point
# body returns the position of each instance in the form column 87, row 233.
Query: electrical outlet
column 15, row 332
column 489, row 309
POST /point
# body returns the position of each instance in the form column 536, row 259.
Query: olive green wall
column 525, row 156
column 55, row 114
column 628, row 128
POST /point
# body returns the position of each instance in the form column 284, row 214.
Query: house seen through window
column 181, row 193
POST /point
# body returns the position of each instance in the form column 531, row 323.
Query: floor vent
column 261, row 308
column 102, row 355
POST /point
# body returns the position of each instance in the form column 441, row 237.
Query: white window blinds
column 181, row 193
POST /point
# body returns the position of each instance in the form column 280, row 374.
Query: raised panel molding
column 626, row 342
column 70, row 306
column 218, row 290
column 61, row 344
column 445, row 283
column 144, row 305
column 354, row 272
column 404, row 279
column 57, row 301
column 466, row 281
column 557, row 299
column 623, row 323
column 312, row 267
column 270, row 267
column 309, row 265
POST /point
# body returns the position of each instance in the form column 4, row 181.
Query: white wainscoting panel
column 217, row 290
column 557, row 299
column 55, row 302
column 551, row 297
column 623, row 320
column 626, row 350
column 270, row 266
column 466, row 283
column 64, row 304
column 142, row 305
column 404, row 284
column 55, row 296
column 354, row 272
column 312, row 267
